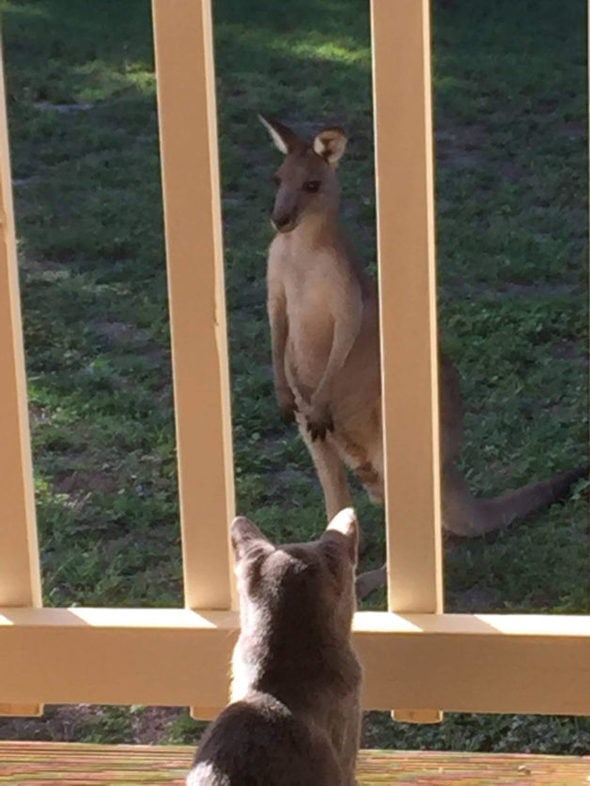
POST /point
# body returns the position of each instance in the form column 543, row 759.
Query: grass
column 511, row 129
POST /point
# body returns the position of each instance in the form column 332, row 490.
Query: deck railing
column 417, row 659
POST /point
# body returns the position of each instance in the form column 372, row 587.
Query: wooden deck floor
column 70, row 764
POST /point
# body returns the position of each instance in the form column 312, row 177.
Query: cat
column 295, row 714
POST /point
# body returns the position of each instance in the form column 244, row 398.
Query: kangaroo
column 295, row 714
column 323, row 313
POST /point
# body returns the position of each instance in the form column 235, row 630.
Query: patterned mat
column 71, row 764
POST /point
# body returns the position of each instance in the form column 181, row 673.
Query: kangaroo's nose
column 281, row 221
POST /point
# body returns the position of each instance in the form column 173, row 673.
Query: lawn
column 511, row 148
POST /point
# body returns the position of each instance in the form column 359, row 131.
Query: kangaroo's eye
column 311, row 186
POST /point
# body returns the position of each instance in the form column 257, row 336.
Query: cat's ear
column 344, row 527
column 244, row 533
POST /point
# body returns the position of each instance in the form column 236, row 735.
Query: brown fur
column 323, row 313
column 295, row 713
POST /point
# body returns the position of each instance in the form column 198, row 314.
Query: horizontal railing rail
column 416, row 658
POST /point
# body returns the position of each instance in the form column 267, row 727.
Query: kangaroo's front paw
column 287, row 405
column 319, row 422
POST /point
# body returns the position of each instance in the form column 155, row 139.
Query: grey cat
column 295, row 714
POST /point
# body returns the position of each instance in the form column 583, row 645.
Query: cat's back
column 259, row 742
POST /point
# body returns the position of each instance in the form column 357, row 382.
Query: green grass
column 510, row 108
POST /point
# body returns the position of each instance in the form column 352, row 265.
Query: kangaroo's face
column 307, row 183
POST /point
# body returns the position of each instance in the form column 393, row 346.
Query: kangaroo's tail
column 468, row 516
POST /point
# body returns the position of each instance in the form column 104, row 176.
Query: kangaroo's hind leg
column 331, row 472
column 370, row 581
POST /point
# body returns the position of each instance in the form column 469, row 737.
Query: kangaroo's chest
column 313, row 287
column 311, row 294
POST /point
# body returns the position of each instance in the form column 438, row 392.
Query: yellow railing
column 417, row 659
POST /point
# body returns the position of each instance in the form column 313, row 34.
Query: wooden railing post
column 403, row 149
column 20, row 581
column 190, row 179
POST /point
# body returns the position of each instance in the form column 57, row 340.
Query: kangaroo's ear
column 285, row 139
column 344, row 526
column 330, row 144
column 244, row 533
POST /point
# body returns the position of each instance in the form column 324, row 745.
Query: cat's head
column 302, row 581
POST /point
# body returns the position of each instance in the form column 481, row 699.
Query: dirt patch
column 476, row 600
column 291, row 475
column 120, row 333
column 573, row 130
column 567, row 349
column 151, row 725
column 463, row 150
column 512, row 171
column 67, row 723
column 38, row 414
column 62, row 109
column 43, row 267
column 58, row 724
column 86, row 481
column 506, row 289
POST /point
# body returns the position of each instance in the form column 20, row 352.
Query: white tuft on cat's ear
column 284, row 138
column 243, row 533
column 330, row 144
column 346, row 523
